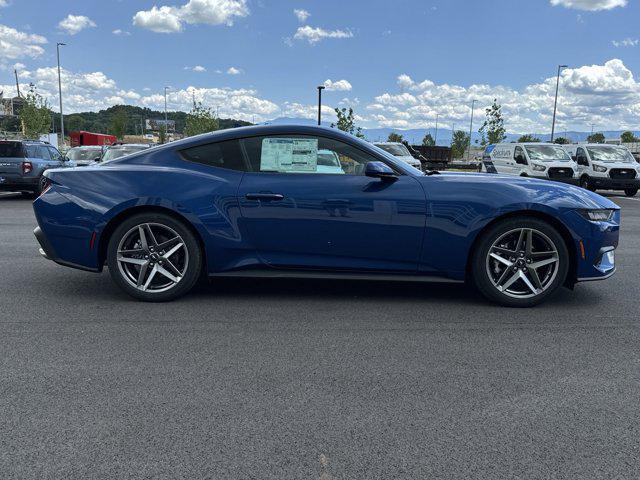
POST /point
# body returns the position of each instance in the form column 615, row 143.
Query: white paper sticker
column 289, row 155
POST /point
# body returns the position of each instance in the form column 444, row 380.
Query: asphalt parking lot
column 313, row 379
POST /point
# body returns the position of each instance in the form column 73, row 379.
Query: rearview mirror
column 379, row 170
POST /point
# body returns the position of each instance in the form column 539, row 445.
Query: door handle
column 267, row 197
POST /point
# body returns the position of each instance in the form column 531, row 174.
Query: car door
column 582, row 160
column 517, row 168
column 57, row 160
column 296, row 216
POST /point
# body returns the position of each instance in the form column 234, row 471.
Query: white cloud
column 233, row 71
column 605, row 94
column 73, row 24
column 170, row 19
column 15, row 44
column 120, row 32
column 627, row 42
column 196, row 68
column 302, row 15
column 338, row 85
column 590, row 5
column 95, row 91
column 316, row 34
column 3, row 3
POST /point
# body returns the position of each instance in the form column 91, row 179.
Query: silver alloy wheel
column 152, row 257
column 522, row 263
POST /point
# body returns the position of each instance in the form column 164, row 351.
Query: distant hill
column 415, row 136
column 100, row 122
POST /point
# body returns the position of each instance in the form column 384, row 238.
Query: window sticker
column 295, row 155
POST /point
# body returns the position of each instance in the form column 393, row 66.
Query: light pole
column 435, row 140
column 555, row 103
column 320, row 88
column 166, row 123
column 58, row 45
column 473, row 104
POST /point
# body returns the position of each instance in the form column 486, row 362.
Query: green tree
column 200, row 120
column 35, row 116
column 596, row 138
column 428, row 140
column 162, row 133
column 528, row 139
column 346, row 122
column 561, row 141
column 119, row 123
column 395, row 137
column 492, row 130
column 459, row 143
column 629, row 137
column 73, row 123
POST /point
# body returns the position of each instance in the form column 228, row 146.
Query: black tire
column 480, row 263
column 42, row 182
column 28, row 194
column 192, row 253
column 586, row 184
column 630, row 192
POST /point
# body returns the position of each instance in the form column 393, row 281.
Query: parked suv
column 22, row 163
column 606, row 167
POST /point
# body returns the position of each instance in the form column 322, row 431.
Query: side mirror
column 97, row 159
column 65, row 159
column 574, row 158
column 379, row 170
column 520, row 160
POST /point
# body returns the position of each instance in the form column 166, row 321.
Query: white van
column 538, row 160
column 606, row 167
column 401, row 152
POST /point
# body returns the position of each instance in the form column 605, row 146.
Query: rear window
column 11, row 149
column 220, row 154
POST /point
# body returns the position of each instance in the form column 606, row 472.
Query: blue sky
column 398, row 63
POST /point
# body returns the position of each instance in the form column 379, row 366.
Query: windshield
column 11, row 149
column 117, row 152
column 84, row 153
column 610, row 154
column 396, row 150
column 547, row 153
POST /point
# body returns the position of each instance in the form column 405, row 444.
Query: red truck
column 81, row 138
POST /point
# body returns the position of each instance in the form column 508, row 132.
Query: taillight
column 46, row 185
column 26, row 167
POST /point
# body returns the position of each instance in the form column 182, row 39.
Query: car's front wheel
column 630, row 192
column 520, row 262
column 154, row 257
column 586, row 184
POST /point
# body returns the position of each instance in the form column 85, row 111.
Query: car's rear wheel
column 630, row 192
column 154, row 257
column 520, row 262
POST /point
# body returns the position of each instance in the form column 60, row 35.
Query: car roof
column 388, row 143
column 121, row 145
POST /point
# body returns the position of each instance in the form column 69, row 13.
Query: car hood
column 521, row 190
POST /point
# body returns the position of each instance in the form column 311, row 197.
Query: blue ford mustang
column 276, row 201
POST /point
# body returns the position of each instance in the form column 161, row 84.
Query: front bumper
column 569, row 180
column 607, row 183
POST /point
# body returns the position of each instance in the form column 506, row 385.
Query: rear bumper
column 47, row 251
column 17, row 183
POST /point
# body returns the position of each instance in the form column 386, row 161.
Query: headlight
column 603, row 215
column 538, row 167
column 599, row 168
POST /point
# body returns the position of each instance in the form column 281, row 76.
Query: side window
column 43, row 152
column 55, row 155
column 581, row 156
column 32, row 151
column 304, row 154
column 220, row 154
column 518, row 152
